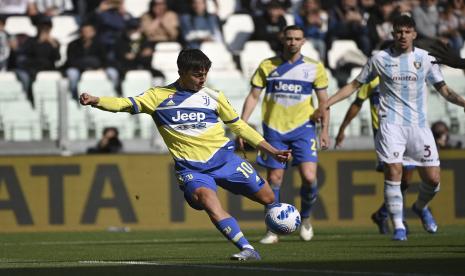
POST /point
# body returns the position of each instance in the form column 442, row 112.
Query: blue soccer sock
column 231, row 230
column 394, row 202
column 276, row 191
column 308, row 197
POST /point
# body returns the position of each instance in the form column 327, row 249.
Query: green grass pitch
column 333, row 251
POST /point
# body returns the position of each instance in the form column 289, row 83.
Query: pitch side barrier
column 95, row 192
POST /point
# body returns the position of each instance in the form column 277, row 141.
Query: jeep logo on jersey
column 284, row 87
column 192, row 116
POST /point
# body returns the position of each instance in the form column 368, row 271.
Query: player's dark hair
column 293, row 28
column 403, row 20
column 193, row 59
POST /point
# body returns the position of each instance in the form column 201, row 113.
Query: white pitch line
column 109, row 241
column 255, row 268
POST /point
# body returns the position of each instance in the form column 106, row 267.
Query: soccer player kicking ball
column 188, row 116
column 404, row 134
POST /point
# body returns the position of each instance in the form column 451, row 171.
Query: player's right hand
column 87, row 99
column 282, row 155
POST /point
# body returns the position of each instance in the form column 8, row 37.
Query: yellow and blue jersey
column 371, row 91
column 287, row 103
column 189, row 122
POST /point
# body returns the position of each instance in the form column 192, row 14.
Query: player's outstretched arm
column 87, row 99
column 322, row 104
column 445, row 55
column 450, row 95
column 280, row 155
column 353, row 110
column 250, row 103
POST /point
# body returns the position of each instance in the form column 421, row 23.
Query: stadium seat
column 220, row 56
column 96, row 82
column 347, row 50
column 231, row 82
column 289, row 19
column 253, row 54
column 45, row 87
column 11, row 88
column 99, row 119
column 16, row 25
column 136, row 82
column 309, row 51
column 226, row 8
column 137, row 7
column 237, row 30
column 20, row 121
column 65, row 28
column 165, row 56
column 170, row 76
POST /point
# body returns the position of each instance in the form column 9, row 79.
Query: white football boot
column 306, row 230
column 269, row 238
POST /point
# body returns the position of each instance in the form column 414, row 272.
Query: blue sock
column 276, row 191
column 231, row 230
column 308, row 197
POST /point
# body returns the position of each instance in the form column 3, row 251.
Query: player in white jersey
column 190, row 119
column 404, row 134
column 289, row 81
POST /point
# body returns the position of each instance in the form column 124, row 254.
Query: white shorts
column 409, row 145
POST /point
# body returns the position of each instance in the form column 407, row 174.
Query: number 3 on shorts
column 246, row 169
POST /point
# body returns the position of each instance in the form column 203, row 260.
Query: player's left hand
column 324, row 140
column 282, row 155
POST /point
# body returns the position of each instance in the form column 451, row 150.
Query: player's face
column 404, row 37
column 193, row 79
column 293, row 41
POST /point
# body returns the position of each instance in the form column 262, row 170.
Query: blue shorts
column 304, row 149
column 236, row 175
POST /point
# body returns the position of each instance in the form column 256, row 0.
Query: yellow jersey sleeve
column 144, row 103
column 321, row 78
column 230, row 117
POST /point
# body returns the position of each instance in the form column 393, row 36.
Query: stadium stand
column 11, row 87
column 16, row 25
column 254, row 52
column 236, row 31
column 97, row 82
column 219, row 55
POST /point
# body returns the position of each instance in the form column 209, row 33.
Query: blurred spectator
column 346, row 21
column 86, row 53
column 37, row 54
column 314, row 21
column 159, row 23
column 379, row 24
column 198, row 25
column 18, row 7
column 54, row 7
column 441, row 136
column 258, row 7
column 406, row 6
column 426, row 18
column 450, row 25
column 110, row 22
column 109, row 143
column 268, row 26
column 134, row 51
column 4, row 45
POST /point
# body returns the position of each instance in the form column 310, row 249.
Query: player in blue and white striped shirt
column 404, row 135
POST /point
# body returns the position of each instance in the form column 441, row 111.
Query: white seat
column 94, row 75
column 170, row 76
column 253, row 54
column 11, row 88
column 15, row 25
column 309, row 51
column 346, row 49
column 220, row 56
column 137, row 7
column 20, row 121
column 226, row 8
column 136, row 82
column 64, row 29
column 231, row 82
column 165, row 56
column 49, row 75
column 289, row 19
column 99, row 119
column 97, row 83
column 237, row 30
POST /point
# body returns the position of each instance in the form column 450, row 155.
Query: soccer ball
column 282, row 219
